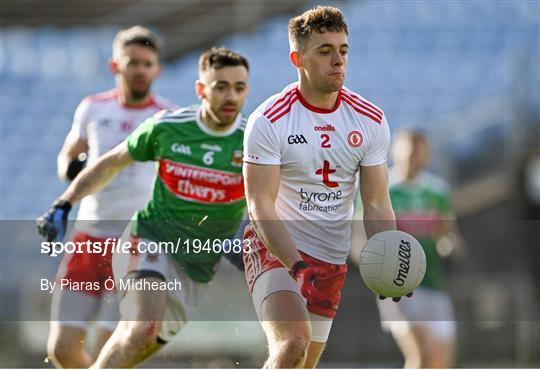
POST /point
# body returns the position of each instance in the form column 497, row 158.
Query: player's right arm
column 262, row 160
column 139, row 146
column 262, row 184
column 52, row 225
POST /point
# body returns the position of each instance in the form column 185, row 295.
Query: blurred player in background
column 424, row 327
column 101, row 122
column 198, row 195
column 303, row 150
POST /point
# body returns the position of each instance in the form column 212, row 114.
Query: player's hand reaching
column 52, row 225
column 305, row 276
column 396, row 299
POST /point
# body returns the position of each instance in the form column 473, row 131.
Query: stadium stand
column 461, row 70
column 417, row 62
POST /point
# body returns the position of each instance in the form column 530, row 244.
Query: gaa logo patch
column 355, row 139
column 296, row 139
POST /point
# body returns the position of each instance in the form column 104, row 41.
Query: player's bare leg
column 409, row 346
column 129, row 345
column 435, row 352
column 135, row 337
column 66, row 347
column 285, row 321
column 102, row 335
column 443, row 356
column 314, row 353
column 422, row 349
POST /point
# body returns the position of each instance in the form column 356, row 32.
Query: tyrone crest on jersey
column 355, row 139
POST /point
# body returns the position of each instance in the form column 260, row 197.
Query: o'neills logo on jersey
column 318, row 201
column 201, row 184
column 404, row 258
column 327, row 127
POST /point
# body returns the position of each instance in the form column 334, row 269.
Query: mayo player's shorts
column 429, row 308
column 265, row 275
column 143, row 264
column 77, row 308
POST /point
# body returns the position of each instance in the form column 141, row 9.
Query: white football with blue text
column 392, row 263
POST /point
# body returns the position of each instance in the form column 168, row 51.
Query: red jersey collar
column 316, row 109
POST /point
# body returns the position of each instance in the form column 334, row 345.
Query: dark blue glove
column 236, row 259
column 52, row 225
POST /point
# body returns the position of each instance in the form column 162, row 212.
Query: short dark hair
column 221, row 57
column 135, row 35
column 319, row 19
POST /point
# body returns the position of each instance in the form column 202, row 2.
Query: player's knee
column 293, row 350
column 141, row 334
column 63, row 353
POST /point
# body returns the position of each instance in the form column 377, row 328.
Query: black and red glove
column 305, row 276
column 396, row 299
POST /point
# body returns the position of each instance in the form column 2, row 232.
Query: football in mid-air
column 392, row 263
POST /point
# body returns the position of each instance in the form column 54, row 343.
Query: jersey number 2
column 325, row 141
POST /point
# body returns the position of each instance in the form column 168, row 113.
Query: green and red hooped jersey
column 421, row 206
column 198, row 191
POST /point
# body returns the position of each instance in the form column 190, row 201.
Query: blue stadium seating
column 416, row 60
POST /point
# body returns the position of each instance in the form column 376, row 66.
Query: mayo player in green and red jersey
column 198, row 196
column 424, row 327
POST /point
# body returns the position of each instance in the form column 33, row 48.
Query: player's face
column 420, row 154
column 137, row 68
column 324, row 60
column 415, row 154
column 223, row 92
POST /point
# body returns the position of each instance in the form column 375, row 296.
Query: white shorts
column 76, row 309
column 178, row 300
column 278, row 279
column 429, row 308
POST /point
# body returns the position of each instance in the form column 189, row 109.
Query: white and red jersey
column 319, row 152
column 105, row 122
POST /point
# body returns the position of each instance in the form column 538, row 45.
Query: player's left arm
column 378, row 213
column 72, row 158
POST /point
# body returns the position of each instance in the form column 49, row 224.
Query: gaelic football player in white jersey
column 302, row 151
column 100, row 123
